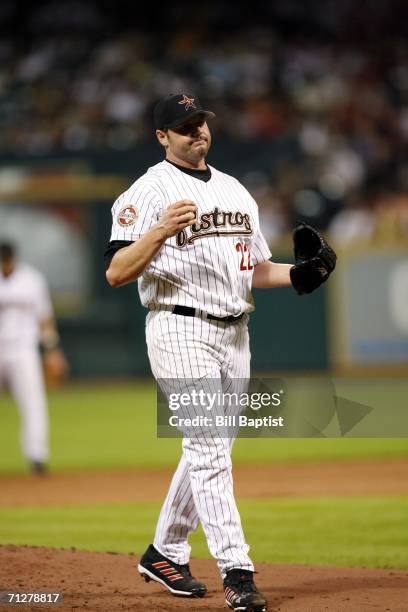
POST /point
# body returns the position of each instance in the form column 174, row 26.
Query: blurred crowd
column 323, row 84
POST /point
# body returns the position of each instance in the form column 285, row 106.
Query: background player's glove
column 315, row 259
column 56, row 368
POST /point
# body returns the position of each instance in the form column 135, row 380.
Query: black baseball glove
column 315, row 259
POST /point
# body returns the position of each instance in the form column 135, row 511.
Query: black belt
column 187, row 311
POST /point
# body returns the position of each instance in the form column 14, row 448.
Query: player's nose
column 199, row 131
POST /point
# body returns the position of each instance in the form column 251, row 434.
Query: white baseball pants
column 21, row 370
column 202, row 486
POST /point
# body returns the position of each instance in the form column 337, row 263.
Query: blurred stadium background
column 311, row 100
column 312, row 116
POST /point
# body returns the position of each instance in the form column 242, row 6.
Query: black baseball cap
column 176, row 109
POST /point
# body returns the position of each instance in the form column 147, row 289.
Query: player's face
column 187, row 144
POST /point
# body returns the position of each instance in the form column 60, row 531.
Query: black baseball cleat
column 241, row 593
column 176, row 578
column 39, row 468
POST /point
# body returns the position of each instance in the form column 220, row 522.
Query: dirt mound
column 110, row 582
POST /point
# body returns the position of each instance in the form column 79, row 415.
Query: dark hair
column 7, row 251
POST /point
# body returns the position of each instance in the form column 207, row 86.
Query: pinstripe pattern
column 205, row 274
column 208, row 266
column 202, row 487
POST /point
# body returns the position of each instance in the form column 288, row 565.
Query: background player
column 26, row 317
column 190, row 235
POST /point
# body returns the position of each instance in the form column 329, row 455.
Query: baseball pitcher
column 189, row 234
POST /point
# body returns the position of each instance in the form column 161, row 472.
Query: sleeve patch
column 127, row 216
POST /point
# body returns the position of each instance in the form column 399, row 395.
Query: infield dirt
column 109, row 582
column 343, row 478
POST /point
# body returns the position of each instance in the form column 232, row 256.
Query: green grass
column 114, row 426
column 360, row 531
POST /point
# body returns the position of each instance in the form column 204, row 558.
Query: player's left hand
column 56, row 368
column 315, row 259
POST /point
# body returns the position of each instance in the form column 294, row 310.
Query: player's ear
column 162, row 137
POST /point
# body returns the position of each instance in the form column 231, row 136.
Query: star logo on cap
column 189, row 102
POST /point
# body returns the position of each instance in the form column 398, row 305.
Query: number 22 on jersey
column 245, row 256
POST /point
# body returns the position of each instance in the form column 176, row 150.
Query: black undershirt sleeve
column 112, row 248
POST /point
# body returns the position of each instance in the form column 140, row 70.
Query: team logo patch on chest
column 216, row 223
column 127, row 216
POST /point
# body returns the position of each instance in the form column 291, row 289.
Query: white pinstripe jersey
column 210, row 264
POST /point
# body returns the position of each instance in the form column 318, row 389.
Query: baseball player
column 190, row 235
column 26, row 317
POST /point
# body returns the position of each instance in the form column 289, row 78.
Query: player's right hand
column 177, row 216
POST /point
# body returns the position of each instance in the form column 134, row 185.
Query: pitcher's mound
column 110, row 582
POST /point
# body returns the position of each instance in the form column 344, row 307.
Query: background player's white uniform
column 24, row 304
column 209, row 267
